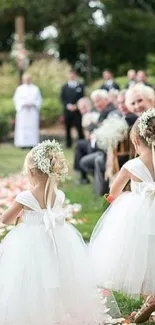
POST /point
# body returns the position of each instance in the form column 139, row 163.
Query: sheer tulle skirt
column 122, row 246
column 40, row 285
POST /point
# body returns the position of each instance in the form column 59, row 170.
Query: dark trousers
column 83, row 148
column 95, row 164
column 73, row 119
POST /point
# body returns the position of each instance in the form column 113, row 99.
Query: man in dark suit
column 71, row 92
column 86, row 150
column 109, row 82
column 131, row 74
column 141, row 77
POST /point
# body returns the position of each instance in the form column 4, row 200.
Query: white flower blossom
column 143, row 124
column 49, row 158
column 113, row 130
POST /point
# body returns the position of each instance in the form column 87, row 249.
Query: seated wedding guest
column 27, row 100
column 84, row 105
column 113, row 93
column 109, row 82
column 89, row 115
column 123, row 109
column 86, row 150
column 131, row 74
column 129, row 117
column 95, row 163
column 141, row 77
column 139, row 98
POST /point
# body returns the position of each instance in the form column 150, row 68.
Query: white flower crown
column 49, row 158
column 143, row 124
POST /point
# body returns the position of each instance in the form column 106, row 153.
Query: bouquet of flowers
column 113, row 130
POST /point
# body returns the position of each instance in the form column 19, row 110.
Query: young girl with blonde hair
column 45, row 275
column 123, row 242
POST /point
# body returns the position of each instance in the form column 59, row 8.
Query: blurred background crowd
column 102, row 121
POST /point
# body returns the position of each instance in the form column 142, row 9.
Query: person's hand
column 29, row 106
column 92, row 137
column 74, row 107
column 69, row 107
column 2, row 225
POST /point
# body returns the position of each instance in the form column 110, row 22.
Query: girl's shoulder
column 60, row 195
column 22, row 196
column 132, row 163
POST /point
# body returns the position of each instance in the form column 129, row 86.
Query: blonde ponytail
column 50, row 190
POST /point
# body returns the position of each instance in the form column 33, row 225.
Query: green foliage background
column 125, row 39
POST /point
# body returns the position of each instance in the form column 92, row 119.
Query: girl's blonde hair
column 48, row 161
column 144, row 128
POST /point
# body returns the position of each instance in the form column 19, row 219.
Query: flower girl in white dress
column 45, row 276
column 122, row 246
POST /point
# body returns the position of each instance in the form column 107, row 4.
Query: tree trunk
column 19, row 34
column 89, row 62
column 20, row 28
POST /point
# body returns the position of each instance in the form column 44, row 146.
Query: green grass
column 11, row 161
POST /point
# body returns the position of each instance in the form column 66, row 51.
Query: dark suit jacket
column 71, row 95
column 103, row 115
column 114, row 85
column 131, row 119
column 130, row 84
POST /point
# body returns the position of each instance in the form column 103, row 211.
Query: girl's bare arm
column 119, row 183
column 11, row 213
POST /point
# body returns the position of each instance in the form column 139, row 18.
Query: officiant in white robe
column 27, row 100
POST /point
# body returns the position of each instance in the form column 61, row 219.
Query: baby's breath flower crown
column 49, row 158
column 146, row 130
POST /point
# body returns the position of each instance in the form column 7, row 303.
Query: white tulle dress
column 45, row 276
column 122, row 246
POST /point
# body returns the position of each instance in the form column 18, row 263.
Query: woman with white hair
column 140, row 98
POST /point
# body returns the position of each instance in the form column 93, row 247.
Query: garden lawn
column 11, row 161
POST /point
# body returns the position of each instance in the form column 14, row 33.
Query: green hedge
column 50, row 111
column 4, row 126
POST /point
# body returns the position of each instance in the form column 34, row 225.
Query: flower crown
column 143, row 125
column 50, row 159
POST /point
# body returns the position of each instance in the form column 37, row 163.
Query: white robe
column 27, row 118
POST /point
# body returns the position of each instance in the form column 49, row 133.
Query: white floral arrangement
column 90, row 118
column 113, row 130
column 49, row 158
column 143, row 124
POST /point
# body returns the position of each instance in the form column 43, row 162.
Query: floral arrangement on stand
column 13, row 185
column 20, row 55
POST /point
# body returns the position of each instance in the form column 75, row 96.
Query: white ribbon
column 52, row 219
column 148, row 190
